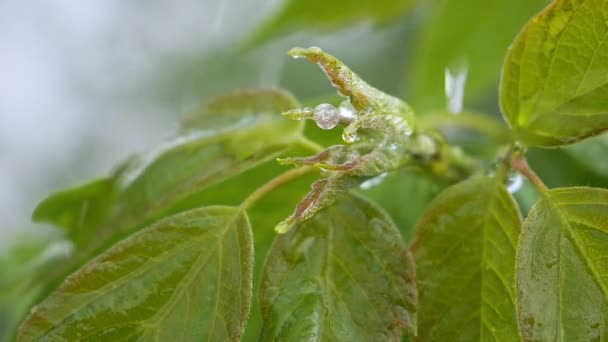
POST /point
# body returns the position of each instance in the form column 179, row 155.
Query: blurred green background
column 86, row 84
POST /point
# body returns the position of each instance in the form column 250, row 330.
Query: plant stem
column 315, row 147
column 519, row 163
column 275, row 183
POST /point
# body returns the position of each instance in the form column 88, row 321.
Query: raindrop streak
column 219, row 16
column 454, row 87
column 514, row 183
column 372, row 182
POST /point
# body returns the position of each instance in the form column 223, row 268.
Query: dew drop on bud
column 347, row 112
column 349, row 137
column 326, row 116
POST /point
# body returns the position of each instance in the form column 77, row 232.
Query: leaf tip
column 284, row 226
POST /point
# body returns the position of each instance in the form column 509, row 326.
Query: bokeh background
column 86, row 84
column 83, row 85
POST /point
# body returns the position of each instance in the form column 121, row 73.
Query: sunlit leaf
column 343, row 275
column 318, row 15
column 554, row 89
column 80, row 209
column 188, row 277
column 562, row 267
column 465, row 256
column 456, row 37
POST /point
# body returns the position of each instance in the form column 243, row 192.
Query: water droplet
column 326, row 116
column 308, row 111
column 372, row 182
column 455, row 80
column 348, row 113
column 350, row 137
column 514, row 183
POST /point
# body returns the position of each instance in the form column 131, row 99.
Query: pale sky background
column 85, row 84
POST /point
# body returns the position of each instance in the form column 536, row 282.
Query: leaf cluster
column 414, row 226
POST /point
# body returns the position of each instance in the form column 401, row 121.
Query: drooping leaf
column 187, row 277
column 317, row 15
column 465, row 258
column 456, row 37
column 343, row 275
column 562, row 267
column 80, row 209
column 554, row 88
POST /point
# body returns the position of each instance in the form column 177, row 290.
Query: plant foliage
column 164, row 246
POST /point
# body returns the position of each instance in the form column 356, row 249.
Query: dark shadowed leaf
column 343, row 275
column 80, row 209
column 562, row 267
column 465, row 256
column 188, row 277
column 319, row 15
column 456, row 36
column 554, row 88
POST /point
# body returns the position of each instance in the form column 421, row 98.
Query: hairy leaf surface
column 188, row 277
column 465, row 260
column 554, row 89
column 562, row 267
column 343, row 275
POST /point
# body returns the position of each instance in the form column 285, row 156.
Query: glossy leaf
column 465, row 256
column 318, row 15
column 456, row 36
column 343, row 275
column 188, row 277
column 80, row 209
column 226, row 137
column 554, row 89
column 562, row 267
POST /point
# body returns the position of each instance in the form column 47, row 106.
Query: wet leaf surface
column 321, row 274
column 187, row 277
column 465, row 257
column 562, row 267
column 554, row 89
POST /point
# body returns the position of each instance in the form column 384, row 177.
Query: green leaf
column 188, row 277
column 228, row 136
column 343, row 275
column 456, row 36
column 562, row 267
column 465, row 256
column 554, row 89
column 78, row 210
column 414, row 189
column 318, row 15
